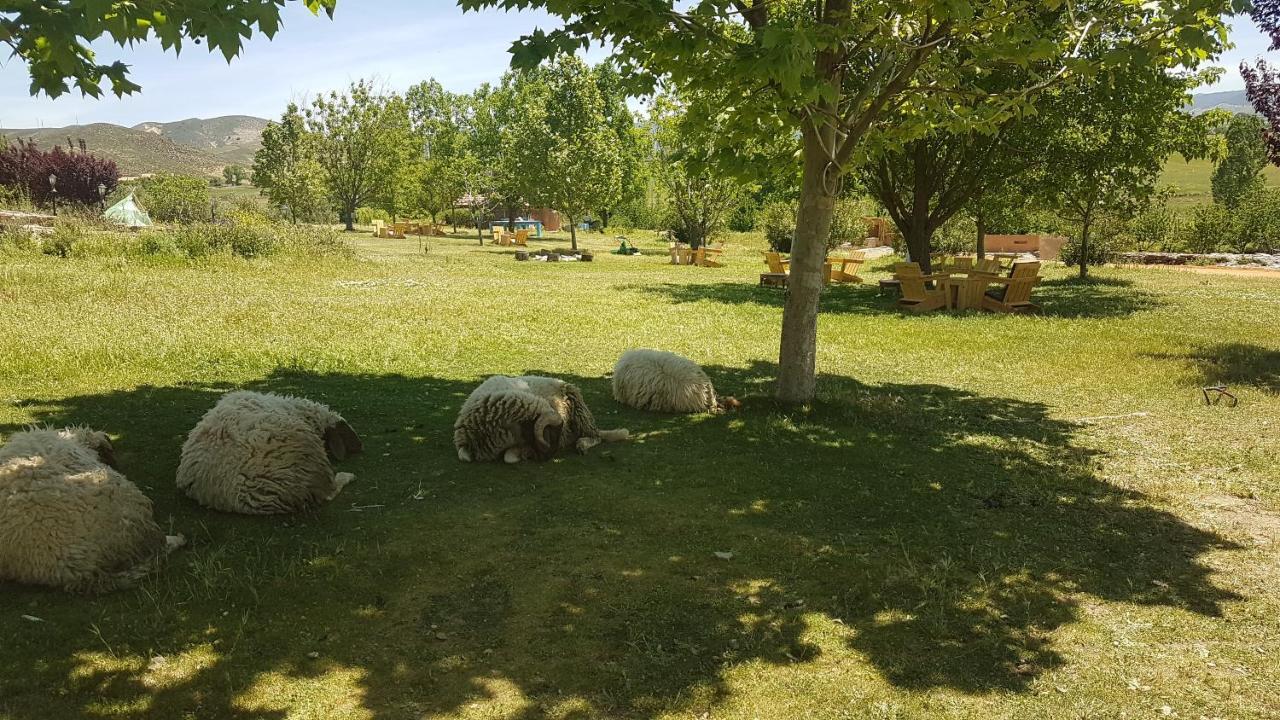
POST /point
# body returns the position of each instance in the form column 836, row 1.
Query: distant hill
column 188, row 147
column 234, row 138
column 1231, row 100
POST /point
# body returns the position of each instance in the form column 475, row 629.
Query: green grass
column 981, row 517
column 1190, row 179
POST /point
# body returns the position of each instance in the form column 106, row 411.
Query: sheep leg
column 340, row 481
column 513, row 455
column 173, row 542
column 586, row 443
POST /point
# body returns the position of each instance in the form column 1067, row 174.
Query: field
column 981, row 517
column 1191, row 180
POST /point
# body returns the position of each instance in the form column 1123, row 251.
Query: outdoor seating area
column 966, row 283
column 505, row 238
column 704, row 256
column 835, row 269
column 402, row 229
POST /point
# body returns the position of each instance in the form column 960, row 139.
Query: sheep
column 665, row 382
column 69, row 519
column 523, row 418
column 265, row 454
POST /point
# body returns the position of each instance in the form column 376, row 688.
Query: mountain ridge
column 194, row 146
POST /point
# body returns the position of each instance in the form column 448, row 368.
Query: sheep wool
column 662, row 382
column 69, row 520
column 527, row 417
column 264, row 454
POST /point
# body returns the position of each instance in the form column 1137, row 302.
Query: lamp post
column 53, row 190
column 102, row 196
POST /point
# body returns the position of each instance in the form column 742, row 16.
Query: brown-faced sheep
column 665, row 382
column 522, row 418
column 68, row 519
column 264, row 454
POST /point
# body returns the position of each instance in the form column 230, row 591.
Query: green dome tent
column 128, row 212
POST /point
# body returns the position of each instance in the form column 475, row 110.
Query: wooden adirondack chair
column 777, row 264
column 1014, row 295
column 845, row 269
column 708, row 257
column 916, row 296
column 522, row 238
column 991, row 266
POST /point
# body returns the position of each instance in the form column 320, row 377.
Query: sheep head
column 340, row 440
column 96, row 441
column 545, row 431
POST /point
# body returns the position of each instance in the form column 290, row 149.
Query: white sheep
column 522, row 418
column 665, row 382
column 68, row 519
column 263, row 454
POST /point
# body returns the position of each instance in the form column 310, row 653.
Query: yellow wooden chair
column 378, row 227
column 916, row 295
column 990, row 266
column 521, row 238
column 845, row 269
column 708, row 257
column 777, row 264
column 1015, row 294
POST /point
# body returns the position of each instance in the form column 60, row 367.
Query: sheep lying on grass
column 524, row 418
column 665, row 382
column 68, row 519
column 264, row 454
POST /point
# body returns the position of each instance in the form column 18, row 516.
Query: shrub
column 159, row 244
column 366, row 215
column 1208, row 227
column 957, row 236
column 15, row 241
column 1255, row 224
column 25, row 169
column 176, row 198
column 743, row 219
column 66, row 235
column 778, row 220
column 1101, row 247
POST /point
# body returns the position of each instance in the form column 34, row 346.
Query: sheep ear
column 340, row 440
column 106, row 453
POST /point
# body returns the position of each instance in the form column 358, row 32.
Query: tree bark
column 797, row 355
column 511, row 218
column 604, row 220
column 982, row 238
column 1085, row 221
column 349, row 216
column 573, row 234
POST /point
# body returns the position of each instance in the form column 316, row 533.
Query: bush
column 176, row 198
column 18, row 242
column 957, row 236
column 66, row 235
column 366, row 215
column 25, row 169
column 846, row 223
column 743, row 219
column 1208, row 227
column 778, row 220
column 1255, row 224
column 1101, row 247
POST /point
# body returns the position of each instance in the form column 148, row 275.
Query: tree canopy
column 53, row 38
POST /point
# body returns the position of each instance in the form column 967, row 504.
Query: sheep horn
column 340, row 440
column 546, row 431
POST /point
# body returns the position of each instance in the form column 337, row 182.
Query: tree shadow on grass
column 1230, row 364
column 1105, row 298
column 942, row 536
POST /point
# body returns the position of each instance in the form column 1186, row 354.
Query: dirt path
column 1213, row 270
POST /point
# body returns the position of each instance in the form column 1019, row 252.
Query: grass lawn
column 982, row 517
column 1191, row 180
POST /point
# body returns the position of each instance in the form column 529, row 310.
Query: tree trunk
column 511, row 218
column 1085, row 221
column 982, row 238
column 453, row 218
column 573, row 234
column 349, row 217
column 918, row 240
column 604, row 220
column 479, row 232
column 797, row 354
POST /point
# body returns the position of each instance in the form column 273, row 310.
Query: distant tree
column 176, row 198
column 357, row 133
column 1240, row 170
column 1103, row 142
column 437, row 116
column 565, row 146
column 25, row 168
column 399, row 162
column 699, row 199
column 54, row 39
column 234, row 174
column 286, row 169
column 631, row 140
column 1261, row 82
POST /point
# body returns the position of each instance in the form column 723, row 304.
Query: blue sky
column 397, row 41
